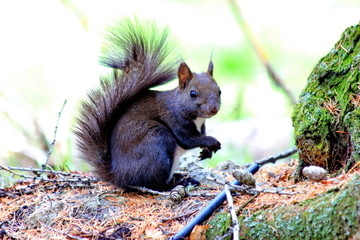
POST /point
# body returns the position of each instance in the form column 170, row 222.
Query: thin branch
column 259, row 50
column 60, row 173
column 54, row 139
column 179, row 216
column 13, row 193
column 274, row 158
column 249, row 190
column 64, row 177
column 235, row 221
column 246, row 203
column 228, row 234
column 36, row 171
column 8, row 169
column 204, row 195
column 148, row 190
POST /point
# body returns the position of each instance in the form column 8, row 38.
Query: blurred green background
column 49, row 53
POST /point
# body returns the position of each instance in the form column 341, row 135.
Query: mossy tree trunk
column 332, row 215
column 327, row 118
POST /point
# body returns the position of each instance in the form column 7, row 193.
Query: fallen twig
column 234, row 219
column 36, row 187
column 272, row 159
column 179, row 216
column 228, row 234
column 54, row 139
column 204, row 194
column 250, row 190
column 38, row 170
column 58, row 180
column 148, row 190
column 8, row 169
column 246, row 203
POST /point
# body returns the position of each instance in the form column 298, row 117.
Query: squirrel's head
column 199, row 94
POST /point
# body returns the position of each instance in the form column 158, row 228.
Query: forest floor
column 46, row 210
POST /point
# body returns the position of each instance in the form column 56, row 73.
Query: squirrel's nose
column 214, row 109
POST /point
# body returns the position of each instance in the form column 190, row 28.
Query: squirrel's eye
column 193, row 94
column 219, row 92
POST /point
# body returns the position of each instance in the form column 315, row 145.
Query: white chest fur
column 180, row 151
column 199, row 122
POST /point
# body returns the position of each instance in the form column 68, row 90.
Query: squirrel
column 133, row 135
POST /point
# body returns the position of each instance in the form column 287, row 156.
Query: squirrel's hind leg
column 149, row 162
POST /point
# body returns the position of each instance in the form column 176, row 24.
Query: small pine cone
column 177, row 194
column 244, row 177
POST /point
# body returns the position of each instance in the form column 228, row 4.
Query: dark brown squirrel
column 132, row 135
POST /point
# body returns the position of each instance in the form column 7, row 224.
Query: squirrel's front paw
column 204, row 154
column 212, row 146
column 215, row 145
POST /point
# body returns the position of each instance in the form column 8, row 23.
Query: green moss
column 219, row 226
column 352, row 123
column 332, row 215
column 320, row 128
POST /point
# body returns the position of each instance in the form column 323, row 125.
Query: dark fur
column 128, row 132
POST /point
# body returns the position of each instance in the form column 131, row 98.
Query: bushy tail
column 143, row 55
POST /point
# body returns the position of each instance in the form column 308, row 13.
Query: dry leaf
column 199, row 232
column 329, row 181
column 153, row 231
column 284, row 175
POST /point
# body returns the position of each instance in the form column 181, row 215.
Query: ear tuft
column 211, row 67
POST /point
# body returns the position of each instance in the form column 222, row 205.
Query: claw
column 204, row 154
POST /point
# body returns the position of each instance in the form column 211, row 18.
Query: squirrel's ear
column 184, row 74
column 211, row 68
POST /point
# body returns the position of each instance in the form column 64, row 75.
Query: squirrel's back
column 144, row 58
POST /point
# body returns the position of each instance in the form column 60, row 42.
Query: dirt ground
column 46, row 210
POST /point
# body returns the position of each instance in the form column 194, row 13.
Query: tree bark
column 327, row 118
